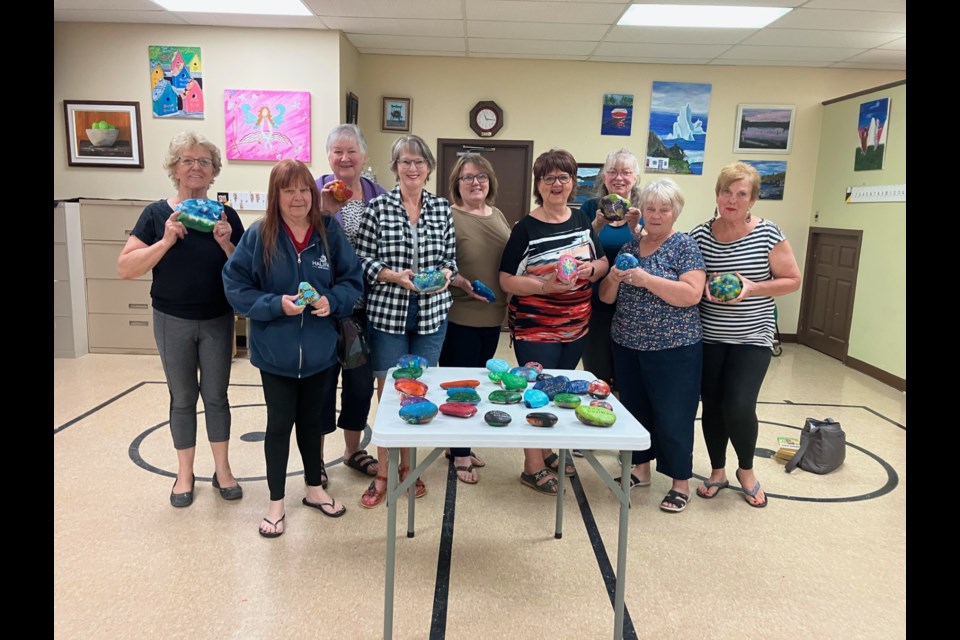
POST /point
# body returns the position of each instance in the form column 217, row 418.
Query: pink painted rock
column 566, row 269
column 458, row 409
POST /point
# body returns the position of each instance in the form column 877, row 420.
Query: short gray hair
column 413, row 144
column 621, row 156
column 185, row 140
column 347, row 131
column 662, row 190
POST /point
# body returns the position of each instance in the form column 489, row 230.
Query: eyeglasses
column 730, row 195
column 613, row 173
column 406, row 164
column 482, row 178
column 204, row 163
column 562, row 179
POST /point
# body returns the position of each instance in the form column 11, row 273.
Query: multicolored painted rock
column 429, row 281
column 601, row 403
column 534, row 399
column 306, row 294
column 614, row 207
column 542, row 419
column 407, row 400
column 725, row 286
column 534, row 365
column 458, row 409
column 451, row 390
column 526, row 372
column 599, row 389
column 472, row 384
column 200, row 214
column 596, row 416
column 567, row 400
column 407, row 372
column 411, row 387
column 566, row 269
column 495, row 376
column 578, row 387
column 419, row 412
column 468, row 396
column 502, row 396
column 410, row 360
column 483, row 291
column 512, row 382
column 626, row 261
column 498, row 365
column 552, row 386
column 497, row 418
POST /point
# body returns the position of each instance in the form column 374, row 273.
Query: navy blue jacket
column 292, row 346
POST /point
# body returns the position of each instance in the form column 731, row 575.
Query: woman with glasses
column 473, row 329
column 404, row 232
column 192, row 321
column 738, row 333
column 548, row 317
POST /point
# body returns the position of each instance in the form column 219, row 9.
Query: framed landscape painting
column 764, row 128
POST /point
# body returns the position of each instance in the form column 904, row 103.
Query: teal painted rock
column 512, row 382
column 452, row 390
column 407, row 372
column 542, row 419
column 566, row 269
column 578, row 387
column 725, row 286
column 429, row 281
column 552, row 386
column 498, row 365
column 596, row 416
column 526, row 372
column 502, row 396
column 598, row 389
column 458, row 409
column 483, row 291
column 534, row 399
column 567, row 400
column 408, row 361
column 497, row 418
column 306, row 294
column 495, row 376
column 626, row 261
column 614, row 207
column 470, row 397
column 534, row 365
column 418, row 412
column 601, row 403
column 200, row 214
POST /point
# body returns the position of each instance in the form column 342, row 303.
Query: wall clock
column 486, row 118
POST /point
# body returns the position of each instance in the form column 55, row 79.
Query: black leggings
column 732, row 377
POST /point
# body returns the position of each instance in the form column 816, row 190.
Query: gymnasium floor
column 825, row 559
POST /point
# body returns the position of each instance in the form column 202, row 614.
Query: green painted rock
column 596, row 416
column 502, row 396
column 495, row 376
column 497, row 418
column 567, row 400
column 407, row 372
column 513, row 382
column 725, row 286
column 470, row 397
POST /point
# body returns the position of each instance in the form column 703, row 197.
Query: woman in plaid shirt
column 402, row 233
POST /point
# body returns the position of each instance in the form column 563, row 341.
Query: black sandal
column 553, row 462
column 362, row 461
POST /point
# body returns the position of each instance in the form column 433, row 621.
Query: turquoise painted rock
column 408, row 361
column 526, row 372
column 512, row 382
column 418, row 412
column 483, row 291
column 534, row 399
column 498, row 365
column 614, row 207
column 200, row 214
column 596, row 416
column 407, row 372
column 306, row 294
column 534, row 365
column 725, row 286
column 495, row 376
column 567, row 400
column 626, row 261
column 458, row 409
column 598, row 389
column 566, row 269
column 497, row 418
column 578, row 387
column 601, row 403
column 452, row 390
column 429, row 280
column 502, row 396
column 552, row 386
column 542, row 419
column 469, row 396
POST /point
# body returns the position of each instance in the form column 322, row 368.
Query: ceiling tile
column 429, row 9
column 535, row 30
column 900, row 44
column 497, row 45
column 123, row 5
column 403, row 43
column 867, row 65
column 678, row 35
column 771, row 63
column 843, row 20
column 526, row 11
column 397, row 26
column 896, row 6
column 134, row 17
column 240, row 20
column 830, row 54
column 623, row 49
column 411, row 52
column 530, row 56
column 639, row 60
column 814, row 38
column 880, row 56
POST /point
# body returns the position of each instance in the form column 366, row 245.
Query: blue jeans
column 386, row 348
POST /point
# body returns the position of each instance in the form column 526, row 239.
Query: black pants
column 356, row 395
column 732, row 377
column 598, row 353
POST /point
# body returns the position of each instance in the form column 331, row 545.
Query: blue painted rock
column 614, row 207
column 470, row 397
column 406, row 400
column 483, row 291
column 525, row 372
column 498, row 365
column 502, row 396
column 495, row 376
column 567, row 400
column 411, row 387
column 566, row 269
column 429, row 280
column 596, row 416
column 578, row 387
column 497, row 418
column 470, row 384
column 410, row 360
column 407, row 372
column 542, row 419
column 451, row 390
column 418, row 413
column 306, row 294
column 458, row 409
column 626, row 261
column 725, row 286
column 534, row 399
column 598, row 389
column 544, row 376
column 601, row 403
column 512, row 382
column 534, row 365
column 552, row 386
column 200, row 214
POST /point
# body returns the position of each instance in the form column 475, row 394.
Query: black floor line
column 841, row 406
column 441, row 590
column 100, row 406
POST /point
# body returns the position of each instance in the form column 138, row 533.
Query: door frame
column 479, row 146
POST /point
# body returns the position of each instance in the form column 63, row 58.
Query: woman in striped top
column 738, row 334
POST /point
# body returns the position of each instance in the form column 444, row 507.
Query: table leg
column 393, row 476
column 411, row 492
column 561, row 479
column 625, row 457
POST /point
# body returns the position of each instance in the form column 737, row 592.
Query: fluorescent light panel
column 247, row 7
column 700, row 16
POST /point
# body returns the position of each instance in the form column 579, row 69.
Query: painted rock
column 598, row 389
column 578, row 387
column 513, row 382
column 469, row 397
column 534, row 365
column 418, row 413
column 497, row 418
column 542, row 419
column 407, row 372
column 406, row 400
column 544, row 376
column 567, row 400
column 495, row 376
column 451, row 390
column 411, row 387
column 566, row 269
column 429, row 280
column 498, row 365
column 409, row 360
column 626, row 261
column 340, row 191
column 552, row 386
column 601, row 403
column 200, row 214
column 483, row 291
column 725, row 286
column 525, row 372
column 505, row 397
column 534, row 399
column 596, row 416
column 614, row 207
column 471, row 384
column 306, row 294
column 458, row 409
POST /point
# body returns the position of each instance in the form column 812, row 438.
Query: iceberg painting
column 678, row 127
column 872, row 135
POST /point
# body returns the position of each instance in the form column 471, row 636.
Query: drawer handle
column 137, row 305
column 139, row 323
column 127, row 232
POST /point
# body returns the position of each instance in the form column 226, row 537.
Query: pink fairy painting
column 267, row 125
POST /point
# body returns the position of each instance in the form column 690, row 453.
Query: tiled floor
column 825, row 559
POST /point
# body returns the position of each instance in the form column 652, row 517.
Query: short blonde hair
column 415, row 145
column 739, row 171
column 183, row 141
column 662, row 190
column 485, row 167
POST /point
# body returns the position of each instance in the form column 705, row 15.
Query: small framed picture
column 103, row 134
column 587, row 175
column 396, row 115
column 764, row 128
column 353, row 109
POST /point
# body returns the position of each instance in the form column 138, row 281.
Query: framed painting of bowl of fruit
column 103, row 134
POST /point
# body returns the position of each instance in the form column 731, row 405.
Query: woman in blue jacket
column 293, row 349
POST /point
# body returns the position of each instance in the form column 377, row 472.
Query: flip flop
column 677, row 501
column 467, row 469
column 477, row 462
column 635, row 481
column 274, row 533
column 706, row 483
column 752, row 493
column 319, row 506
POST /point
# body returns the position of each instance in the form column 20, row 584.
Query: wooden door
column 829, row 284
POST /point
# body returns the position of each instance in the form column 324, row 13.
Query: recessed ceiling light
column 254, row 7
column 686, row 15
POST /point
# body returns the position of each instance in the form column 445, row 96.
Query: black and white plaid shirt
column 385, row 240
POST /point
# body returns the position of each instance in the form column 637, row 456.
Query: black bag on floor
column 823, row 447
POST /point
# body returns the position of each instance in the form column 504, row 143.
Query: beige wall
column 879, row 325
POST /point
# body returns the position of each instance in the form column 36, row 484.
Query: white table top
column 448, row 431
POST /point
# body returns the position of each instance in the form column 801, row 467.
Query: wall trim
column 865, row 92
column 900, row 384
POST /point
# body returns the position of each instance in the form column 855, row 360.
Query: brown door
column 511, row 159
column 829, row 284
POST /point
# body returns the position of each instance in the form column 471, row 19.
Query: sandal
column 420, row 488
column 635, row 481
column 674, row 501
column 275, row 533
column 532, row 480
column 704, row 490
column 467, row 469
column 752, row 493
column 362, row 461
column 372, row 497
column 477, row 462
column 553, row 461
